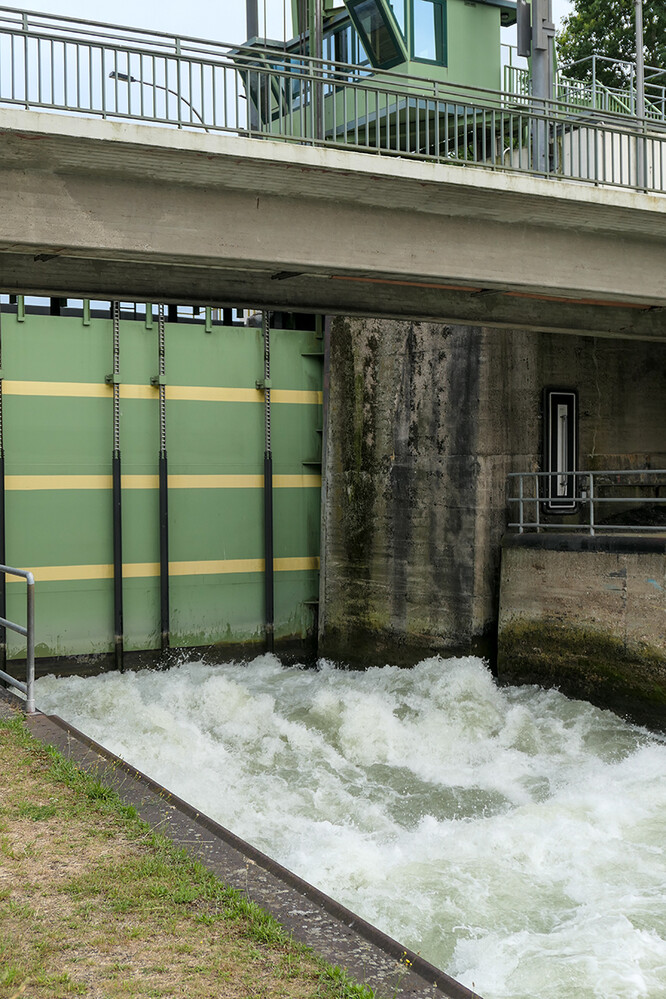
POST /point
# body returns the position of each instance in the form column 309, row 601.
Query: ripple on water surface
column 512, row 836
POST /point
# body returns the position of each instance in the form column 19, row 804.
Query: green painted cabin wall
column 69, row 435
column 473, row 43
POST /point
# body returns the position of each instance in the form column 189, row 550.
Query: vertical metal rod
column 30, row 651
column 520, row 504
column 592, row 503
column 324, row 505
column 542, row 80
column 269, row 585
column 3, row 553
column 163, row 492
column 641, row 179
column 640, row 61
column 252, row 18
column 317, row 50
column 118, row 635
column 252, row 31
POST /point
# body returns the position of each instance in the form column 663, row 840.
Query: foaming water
column 514, row 837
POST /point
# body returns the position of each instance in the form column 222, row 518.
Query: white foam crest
column 513, row 836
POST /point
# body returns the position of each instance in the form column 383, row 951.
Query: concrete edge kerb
column 383, row 166
column 368, row 954
column 615, row 544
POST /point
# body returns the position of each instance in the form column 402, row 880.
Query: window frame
column 558, row 402
column 392, row 26
column 441, row 38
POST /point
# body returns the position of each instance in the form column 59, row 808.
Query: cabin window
column 561, row 445
column 429, row 31
column 379, row 32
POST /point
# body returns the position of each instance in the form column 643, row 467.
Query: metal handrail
column 97, row 69
column 581, row 497
column 27, row 688
column 589, row 91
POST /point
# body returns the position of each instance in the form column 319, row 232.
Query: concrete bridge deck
column 114, row 210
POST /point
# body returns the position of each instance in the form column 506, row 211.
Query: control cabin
column 374, row 44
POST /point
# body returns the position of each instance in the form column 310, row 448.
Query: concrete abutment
column 425, row 421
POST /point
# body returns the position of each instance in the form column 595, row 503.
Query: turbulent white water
column 515, row 838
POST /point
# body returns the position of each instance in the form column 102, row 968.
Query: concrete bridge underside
column 115, row 210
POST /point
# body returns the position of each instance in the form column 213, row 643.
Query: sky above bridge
column 223, row 21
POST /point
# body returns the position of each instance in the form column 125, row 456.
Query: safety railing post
column 30, row 651
column 592, row 503
column 27, row 688
column 521, row 517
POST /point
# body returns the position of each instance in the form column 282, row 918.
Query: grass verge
column 95, row 903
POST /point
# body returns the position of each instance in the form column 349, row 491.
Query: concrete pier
column 586, row 614
column 425, row 423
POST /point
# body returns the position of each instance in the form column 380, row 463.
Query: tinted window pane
column 425, row 40
column 372, row 22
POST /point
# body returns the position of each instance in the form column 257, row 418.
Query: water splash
column 512, row 836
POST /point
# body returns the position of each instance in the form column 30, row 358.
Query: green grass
column 97, row 902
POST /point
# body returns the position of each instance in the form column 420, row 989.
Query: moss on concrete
column 582, row 662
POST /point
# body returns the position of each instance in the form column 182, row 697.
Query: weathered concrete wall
column 118, row 210
column 587, row 615
column 424, row 423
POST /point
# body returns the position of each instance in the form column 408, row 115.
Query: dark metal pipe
column 163, row 488
column 118, row 634
column 118, row 639
column 269, row 583
column 164, row 553
column 269, row 588
column 3, row 552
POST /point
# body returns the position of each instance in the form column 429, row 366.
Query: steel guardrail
column 96, row 69
column 585, row 491
column 27, row 688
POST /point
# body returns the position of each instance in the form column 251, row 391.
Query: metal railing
column 624, row 95
column 587, row 499
column 27, row 688
column 97, row 69
column 589, row 91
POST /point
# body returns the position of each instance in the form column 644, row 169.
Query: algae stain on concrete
column 585, row 663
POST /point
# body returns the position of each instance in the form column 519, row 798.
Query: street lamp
column 126, row 78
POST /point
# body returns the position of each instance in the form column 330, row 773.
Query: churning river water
column 516, row 838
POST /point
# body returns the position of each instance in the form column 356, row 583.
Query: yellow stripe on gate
column 147, row 570
column 184, row 393
column 28, row 483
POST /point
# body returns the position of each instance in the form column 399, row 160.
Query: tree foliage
column 607, row 27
